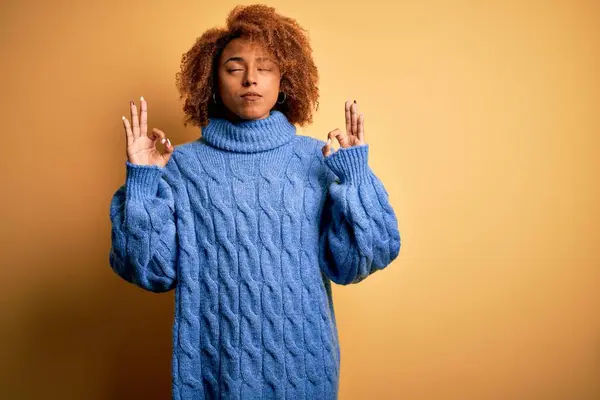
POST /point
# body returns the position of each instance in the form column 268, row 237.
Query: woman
column 251, row 222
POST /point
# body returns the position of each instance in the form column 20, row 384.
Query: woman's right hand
column 141, row 144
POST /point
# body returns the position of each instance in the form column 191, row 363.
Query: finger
column 134, row 120
column 166, row 155
column 348, row 118
column 169, row 147
column 143, row 116
column 354, row 112
column 156, row 133
column 361, row 128
column 343, row 139
column 327, row 148
column 329, row 145
column 128, row 132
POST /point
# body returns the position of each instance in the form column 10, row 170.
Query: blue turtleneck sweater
column 249, row 225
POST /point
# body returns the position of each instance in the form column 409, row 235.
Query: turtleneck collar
column 249, row 136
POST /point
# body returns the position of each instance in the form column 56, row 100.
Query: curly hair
column 280, row 35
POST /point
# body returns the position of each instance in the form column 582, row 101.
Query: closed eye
column 260, row 69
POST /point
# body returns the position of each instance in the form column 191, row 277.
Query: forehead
column 244, row 47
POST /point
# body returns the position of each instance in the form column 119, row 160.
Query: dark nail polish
column 354, row 101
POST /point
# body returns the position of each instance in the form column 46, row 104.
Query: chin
column 251, row 112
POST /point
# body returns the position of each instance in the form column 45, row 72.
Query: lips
column 251, row 94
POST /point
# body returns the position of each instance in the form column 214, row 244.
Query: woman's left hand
column 355, row 130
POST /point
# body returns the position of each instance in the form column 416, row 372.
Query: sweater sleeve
column 143, row 237
column 358, row 231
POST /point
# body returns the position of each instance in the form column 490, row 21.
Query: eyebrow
column 237, row 58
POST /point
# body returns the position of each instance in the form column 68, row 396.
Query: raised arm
column 143, row 238
column 142, row 211
column 359, row 229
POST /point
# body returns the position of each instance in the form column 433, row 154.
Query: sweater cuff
column 142, row 180
column 350, row 164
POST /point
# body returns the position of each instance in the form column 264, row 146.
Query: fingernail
column 354, row 101
column 123, row 118
column 162, row 140
column 169, row 141
column 328, row 140
column 142, row 98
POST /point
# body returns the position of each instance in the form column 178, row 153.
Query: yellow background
column 483, row 119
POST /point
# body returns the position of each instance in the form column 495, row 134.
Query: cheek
column 274, row 86
column 225, row 83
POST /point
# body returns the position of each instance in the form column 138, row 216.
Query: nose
column 249, row 77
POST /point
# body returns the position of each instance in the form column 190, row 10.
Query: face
column 246, row 67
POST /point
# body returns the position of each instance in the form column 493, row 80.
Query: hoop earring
column 284, row 98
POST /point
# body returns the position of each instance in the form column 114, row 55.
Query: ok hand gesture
column 355, row 130
column 141, row 144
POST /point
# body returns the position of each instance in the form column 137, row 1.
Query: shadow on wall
column 86, row 335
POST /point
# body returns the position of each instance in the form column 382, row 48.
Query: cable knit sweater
column 249, row 225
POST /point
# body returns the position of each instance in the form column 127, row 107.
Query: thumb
column 169, row 148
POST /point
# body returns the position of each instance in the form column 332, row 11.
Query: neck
column 249, row 136
column 233, row 117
